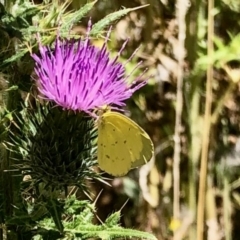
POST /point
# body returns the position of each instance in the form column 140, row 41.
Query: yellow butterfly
column 122, row 144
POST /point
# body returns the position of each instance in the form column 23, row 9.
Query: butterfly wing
column 138, row 143
column 111, row 155
column 122, row 144
column 146, row 152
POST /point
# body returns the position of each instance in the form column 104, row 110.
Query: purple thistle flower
column 82, row 77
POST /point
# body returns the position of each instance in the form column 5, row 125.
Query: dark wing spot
column 107, row 156
column 114, row 130
column 125, row 141
column 116, row 142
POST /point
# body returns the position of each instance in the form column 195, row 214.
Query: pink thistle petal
column 79, row 76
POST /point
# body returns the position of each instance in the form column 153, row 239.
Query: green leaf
column 72, row 18
column 113, row 219
column 100, row 25
column 16, row 56
column 55, row 208
column 12, row 88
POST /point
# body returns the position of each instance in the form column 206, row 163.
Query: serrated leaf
column 109, row 233
column 113, row 219
column 100, row 25
column 74, row 17
column 15, row 57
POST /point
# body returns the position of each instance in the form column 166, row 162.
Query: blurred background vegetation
column 190, row 108
column 150, row 190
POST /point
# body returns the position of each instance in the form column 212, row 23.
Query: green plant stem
column 207, row 126
column 193, row 19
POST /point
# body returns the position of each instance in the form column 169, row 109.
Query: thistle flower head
column 79, row 76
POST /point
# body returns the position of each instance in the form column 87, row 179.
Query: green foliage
column 74, row 17
column 223, row 54
column 109, row 19
column 43, row 20
column 78, row 224
column 20, row 18
column 71, row 219
column 234, row 5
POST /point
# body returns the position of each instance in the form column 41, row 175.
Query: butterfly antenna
column 118, row 109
